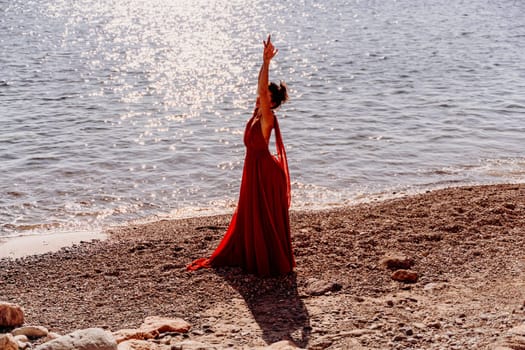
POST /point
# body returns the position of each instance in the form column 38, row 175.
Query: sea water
column 123, row 110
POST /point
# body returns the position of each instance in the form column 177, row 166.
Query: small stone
column 356, row 332
column 376, row 326
column 23, row 345
column 395, row 262
column 412, row 341
column 135, row 344
column 518, row 330
column 317, row 287
column 197, row 332
column 163, row 325
column 31, row 331
column 321, row 343
column 435, row 325
column 406, row 276
column 191, row 345
column 399, row 338
column 21, row 338
column 281, row 345
column 419, row 325
column 129, row 334
column 431, row 286
column 50, row 336
column 11, row 315
column 8, row 342
column 166, row 340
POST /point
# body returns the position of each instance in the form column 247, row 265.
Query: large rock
column 84, row 339
column 8, row 342
column 31, row 331
column 163, row 325
column 11, row 315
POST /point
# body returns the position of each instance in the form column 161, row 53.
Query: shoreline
column 41, row 242
column 466, row 244
column 36, row 242
column 21, row 246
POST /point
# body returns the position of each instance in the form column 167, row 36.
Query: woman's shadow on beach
column 275, row 305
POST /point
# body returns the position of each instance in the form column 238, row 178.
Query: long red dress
column 258, row 237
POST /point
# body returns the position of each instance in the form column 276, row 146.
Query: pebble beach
column 438, row 270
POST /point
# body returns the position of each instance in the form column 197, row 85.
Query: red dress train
column 258, row 237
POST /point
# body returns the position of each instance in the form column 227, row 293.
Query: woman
column 258, row 237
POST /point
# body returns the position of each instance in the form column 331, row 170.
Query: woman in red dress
column 258, row 237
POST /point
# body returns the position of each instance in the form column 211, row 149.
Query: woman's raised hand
column 269, row 50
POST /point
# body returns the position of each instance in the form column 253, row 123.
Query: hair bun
column 279, row 93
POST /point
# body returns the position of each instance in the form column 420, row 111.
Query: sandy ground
column 467, row 244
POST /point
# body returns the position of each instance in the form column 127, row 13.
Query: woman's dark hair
column 279, row 93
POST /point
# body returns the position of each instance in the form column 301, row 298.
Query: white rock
column 8, row 342
column 84, row 339
column 23, row 345
column 431, row 286
column 21, row 338
column 31, row 331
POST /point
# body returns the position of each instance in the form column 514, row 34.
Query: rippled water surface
column 121, row 110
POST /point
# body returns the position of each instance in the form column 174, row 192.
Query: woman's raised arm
column 265, row 101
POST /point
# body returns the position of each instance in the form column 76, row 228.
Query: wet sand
column 23, row 246
column 467, row 245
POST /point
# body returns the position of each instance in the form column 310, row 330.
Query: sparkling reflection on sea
column 127, row 110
